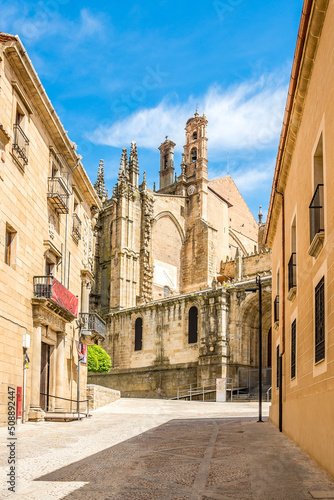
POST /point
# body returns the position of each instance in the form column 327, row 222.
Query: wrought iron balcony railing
column 21, row 144
column 316, row 208
column 58, row 194
column 292, row 270
column 62, row 300
column 92, row 327
column 276, row 309
column 43, row 286
column 76, row 229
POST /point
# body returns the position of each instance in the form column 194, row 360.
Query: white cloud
column 35, row 22
column 241, row 117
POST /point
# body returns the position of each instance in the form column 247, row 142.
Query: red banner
column 64, row 297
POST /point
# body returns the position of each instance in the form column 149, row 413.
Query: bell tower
column 195, row 166
column 166, row 164
column 196, row 148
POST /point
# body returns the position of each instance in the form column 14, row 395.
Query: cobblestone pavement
column 148, row 449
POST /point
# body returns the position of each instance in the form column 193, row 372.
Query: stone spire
column 100, row 185
column 260, row 215
column 124, row 167
column 144, row 183
column 134, row 166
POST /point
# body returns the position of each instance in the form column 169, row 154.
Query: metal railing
column 58, row 194
column 60, row 163
column 276, row 309
column 195, row 390
column 72, row 401
column 76, row 229
column 316, row 208
column 292, row 271
column 43, row 286
column 93, row 323
column 21, row 144
column 269, row 394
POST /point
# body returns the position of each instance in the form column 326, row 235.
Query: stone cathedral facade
column 159, row 273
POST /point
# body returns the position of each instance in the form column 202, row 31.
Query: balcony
column 276, row 309
column 292, row 275
column 50, row 294
column 317, row 221
column 20, row 146
column 93, row 328
column 76, row 228
column 58, row 194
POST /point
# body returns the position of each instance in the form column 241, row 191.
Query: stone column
column 60, row 358
column 36, row 413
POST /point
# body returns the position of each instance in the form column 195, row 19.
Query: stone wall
column 101, row 396
column 251, row 264
column 153, row 382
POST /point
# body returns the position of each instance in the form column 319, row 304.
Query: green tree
column 98, row 361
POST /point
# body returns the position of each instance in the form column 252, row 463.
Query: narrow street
column 147, row 449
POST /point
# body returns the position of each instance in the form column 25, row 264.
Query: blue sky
column 122, row 71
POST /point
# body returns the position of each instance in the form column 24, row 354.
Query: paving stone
column 183, row 453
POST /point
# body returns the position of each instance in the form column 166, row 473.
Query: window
column 194, row 136
column 166, row 161
column 9, row 246
column 21, row 141
column 194, row 155
column 49, row 267
column 293, row 349
column 292, row 266
column 138, row 334
column 320, row 320
column 19, row 117
column 166, row 291
column 277, row 366
column 192, row 325
column 276, row 301
column 316, row 209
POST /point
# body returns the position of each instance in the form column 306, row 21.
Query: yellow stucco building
column 47, row 216
column 300, row 231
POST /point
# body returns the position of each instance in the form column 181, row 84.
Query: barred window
column 138, row 334
column 277, row 366
column 293, row 349
column 320, row 320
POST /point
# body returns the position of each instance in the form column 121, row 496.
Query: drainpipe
column 282, row 301
column 79, row 157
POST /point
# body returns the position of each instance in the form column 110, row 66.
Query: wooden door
column 45, row 376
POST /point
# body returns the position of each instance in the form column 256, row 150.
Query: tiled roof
column 5, row 37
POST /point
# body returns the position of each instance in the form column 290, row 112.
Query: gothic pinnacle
column 133, row 163
column 100, row 186
column 124, row 167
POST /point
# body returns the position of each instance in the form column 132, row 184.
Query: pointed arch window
column 138, row 334
column 192, row 325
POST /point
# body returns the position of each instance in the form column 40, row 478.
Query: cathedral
column 171, row 269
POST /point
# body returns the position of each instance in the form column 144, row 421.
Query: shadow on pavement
column 214, row 458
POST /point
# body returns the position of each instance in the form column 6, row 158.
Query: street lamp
column 259, row 289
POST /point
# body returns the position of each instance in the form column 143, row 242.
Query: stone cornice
column 30, row 84
column 309, row 33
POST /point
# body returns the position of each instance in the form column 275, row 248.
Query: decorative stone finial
column 100, row 186
column 123, row 169
column 260, row 215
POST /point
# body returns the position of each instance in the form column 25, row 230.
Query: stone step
column 63, row 416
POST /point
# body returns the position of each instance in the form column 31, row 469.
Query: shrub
column 98, row 361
